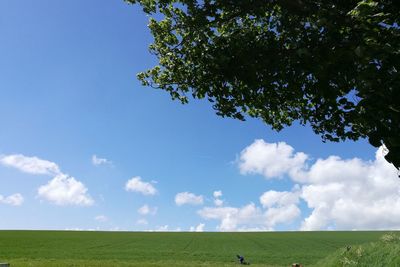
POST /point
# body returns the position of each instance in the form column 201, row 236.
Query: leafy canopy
column 331, row 64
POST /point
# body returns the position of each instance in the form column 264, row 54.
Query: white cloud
column 217, row 200
column 101, row 218
column 352, row 194
column 100, row 161
column 270, row 159
column 217, row 194
column 13, row 200
column 234, row 219
column 61, row 190
column 198, row 228
column 341, row 193
column 147, row 210
column 281, row 206
column 144, row 210
column 32, row 165
column 65, row 190
column 188, row 198
column 137, row 185
column 250, row 217
column 283, row 214
column 277, row 208
column 274, row 198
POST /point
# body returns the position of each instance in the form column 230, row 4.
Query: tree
column 333, row 65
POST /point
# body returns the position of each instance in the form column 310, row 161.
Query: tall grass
column 385, row 253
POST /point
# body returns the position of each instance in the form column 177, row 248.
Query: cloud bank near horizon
column 340, row 193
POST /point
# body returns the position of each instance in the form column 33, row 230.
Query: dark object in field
column 241, row 260
column 297, row 265
column 348, row 248
column 3, row 264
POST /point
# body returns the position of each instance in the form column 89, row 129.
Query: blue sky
column 84, row 146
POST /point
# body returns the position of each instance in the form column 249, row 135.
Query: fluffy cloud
column 355, row 194
column 251, row 217
column 65, row 190
column 217, row 198
column 198, row 228
column 13, row 200
column 283, row 214
column 137, row 185
column 218, row 202
column 231, row 218
column 147, row 210
column 99, row 161
column 270, row 159
column 274, row 198
column 341, row 193
column 188, row 198
column 32, row 165
column 277, row 207
column 281, row 206
column 217, row 194
column 61, row 190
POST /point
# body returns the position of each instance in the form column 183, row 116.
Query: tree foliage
column 331, row 64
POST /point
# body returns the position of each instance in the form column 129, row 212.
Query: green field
column 70, row 248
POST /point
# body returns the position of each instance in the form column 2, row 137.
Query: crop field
column 74, row 248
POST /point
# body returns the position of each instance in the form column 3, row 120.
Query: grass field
column 70, row 248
